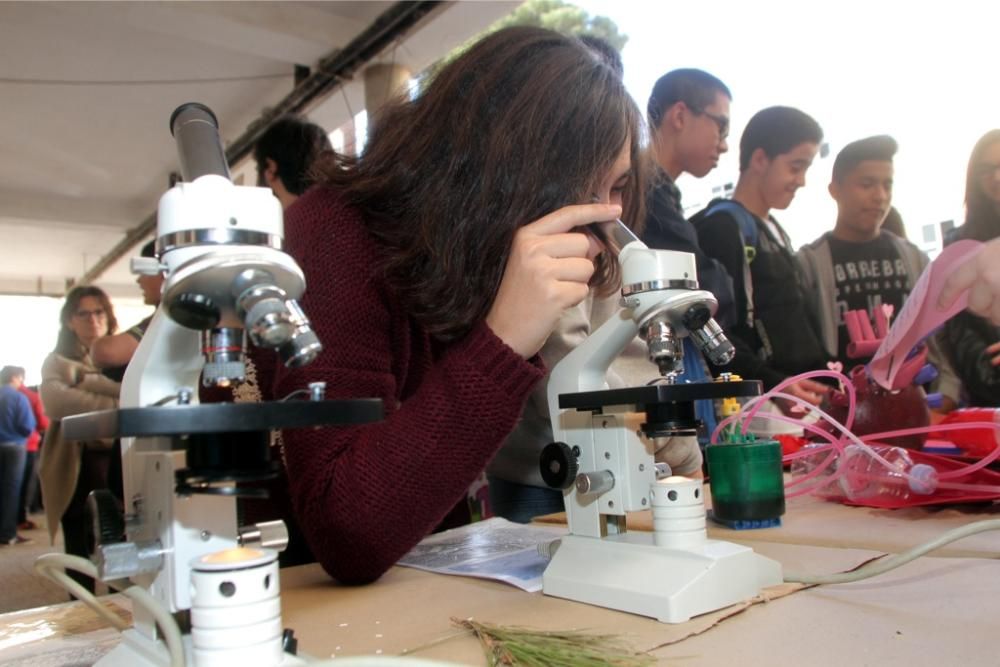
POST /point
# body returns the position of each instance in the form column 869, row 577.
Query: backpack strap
column 751, row 236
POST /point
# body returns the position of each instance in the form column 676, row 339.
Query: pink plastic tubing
column 753, row 406
column 840, row 377
column 776, row 417
column 988, row 488
column 835, row 446
column 818, row 470
column 959, row 472
column 833, row 422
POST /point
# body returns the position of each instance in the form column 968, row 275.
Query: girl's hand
column 547, row 272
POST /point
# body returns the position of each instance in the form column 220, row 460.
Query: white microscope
column 226, row 277
column 606, row 469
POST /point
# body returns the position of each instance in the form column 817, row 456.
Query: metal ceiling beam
column 331, row 72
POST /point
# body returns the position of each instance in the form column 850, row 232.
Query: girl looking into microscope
column 437, row 265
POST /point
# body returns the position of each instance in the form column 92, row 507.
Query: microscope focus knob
column 269, row 534
column 107, row 522
column 558, row 465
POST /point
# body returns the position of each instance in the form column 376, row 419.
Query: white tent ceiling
column 86, row 92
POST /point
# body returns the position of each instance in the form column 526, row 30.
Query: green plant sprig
column 512, row 645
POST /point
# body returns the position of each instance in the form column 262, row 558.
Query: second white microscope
column 607, row 469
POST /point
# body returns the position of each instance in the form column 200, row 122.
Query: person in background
column 460, row 242
column 773, row 334
column 17, row 422
column 71, row 385
column 115, row 350
column 688, row 115
column 285, row 154
column 859, row 265
column 29, row 485
column 972, row 338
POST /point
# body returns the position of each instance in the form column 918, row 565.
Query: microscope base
column 136, row 650
column 629, row 572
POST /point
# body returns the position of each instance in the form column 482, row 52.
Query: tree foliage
column 565, row 18
column 557, row 15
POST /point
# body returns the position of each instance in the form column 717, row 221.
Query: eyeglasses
column 87, row 314
column 722, row 122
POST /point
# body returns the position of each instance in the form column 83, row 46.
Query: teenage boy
column 285, row 153
column 859, row 265
column 688, row 113
column 772, row 333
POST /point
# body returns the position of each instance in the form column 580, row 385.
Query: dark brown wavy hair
column 67, row 344
column 982, row 221
column 523, row 123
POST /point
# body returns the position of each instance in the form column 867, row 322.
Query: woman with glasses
column 71, row 385
column 973, row 342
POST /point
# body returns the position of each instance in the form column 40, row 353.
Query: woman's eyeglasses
column 87, row 314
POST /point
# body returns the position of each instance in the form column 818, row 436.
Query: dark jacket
column 774, row 335
column 965, row 339
column 667, row 229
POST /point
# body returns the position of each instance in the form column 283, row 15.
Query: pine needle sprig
column 512, row 645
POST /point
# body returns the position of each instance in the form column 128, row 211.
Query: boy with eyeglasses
column 773, row 333
column 688, row 114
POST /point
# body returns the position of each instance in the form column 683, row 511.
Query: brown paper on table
column 813, row 521
column 408, row 611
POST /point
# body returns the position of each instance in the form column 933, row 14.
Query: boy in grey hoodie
column 859, row 265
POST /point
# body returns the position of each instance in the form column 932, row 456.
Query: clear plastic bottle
column 857, row 475
column 865, row 477
column 824, row 483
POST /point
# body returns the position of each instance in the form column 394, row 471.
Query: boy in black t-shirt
column 858, row 265
column 773, row 335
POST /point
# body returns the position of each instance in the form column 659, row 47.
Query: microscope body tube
column 196, row 131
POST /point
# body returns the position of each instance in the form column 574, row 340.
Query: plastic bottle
column 814, row 472
column 857, row 475
column 864, row 477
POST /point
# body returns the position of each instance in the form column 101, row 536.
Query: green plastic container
column 748, row 489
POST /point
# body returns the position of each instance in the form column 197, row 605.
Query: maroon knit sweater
column 365, row 495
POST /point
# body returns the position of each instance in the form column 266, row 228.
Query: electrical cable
column 892, row 562
column 53, row 567
column 164, row 620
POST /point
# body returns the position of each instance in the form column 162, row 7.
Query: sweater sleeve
column 365, row 495
column 62, row 399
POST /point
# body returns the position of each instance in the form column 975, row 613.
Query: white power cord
column 54, row 566
column 892, row 562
